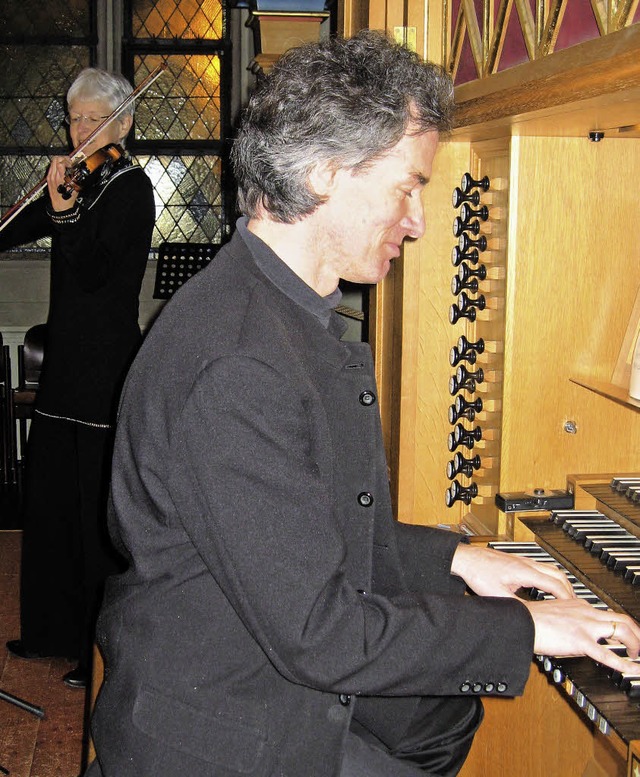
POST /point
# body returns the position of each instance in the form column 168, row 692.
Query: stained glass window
column 182, row 124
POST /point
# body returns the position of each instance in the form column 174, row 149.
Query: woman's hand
column 55, row 178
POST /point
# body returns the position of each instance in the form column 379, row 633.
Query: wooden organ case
column 559, row 140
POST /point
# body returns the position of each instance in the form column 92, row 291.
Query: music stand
column 24, row 705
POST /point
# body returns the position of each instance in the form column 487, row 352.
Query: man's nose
column 414, row 221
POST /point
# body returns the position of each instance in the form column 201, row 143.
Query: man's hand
column 574, row 628
column 564, row 626
column 490, row 572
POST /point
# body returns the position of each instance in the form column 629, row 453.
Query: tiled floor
column 29, row 746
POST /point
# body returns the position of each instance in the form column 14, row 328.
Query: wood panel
column 576, row 271
column 426, row 338
column 491, row 158
column 573, row 275
column 540, row 734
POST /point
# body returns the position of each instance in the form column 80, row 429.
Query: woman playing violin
column 101, row 236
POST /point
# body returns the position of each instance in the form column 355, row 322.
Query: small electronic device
column 537, row 499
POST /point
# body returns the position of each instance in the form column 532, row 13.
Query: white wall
column 24, row 299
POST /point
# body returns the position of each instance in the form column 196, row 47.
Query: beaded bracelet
column 70, row 216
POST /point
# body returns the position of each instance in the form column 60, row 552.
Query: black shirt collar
column 282, row 276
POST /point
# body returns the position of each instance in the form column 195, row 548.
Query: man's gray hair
column 342, row 101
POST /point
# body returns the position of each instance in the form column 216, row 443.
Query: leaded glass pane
column 19, row 175
column 188, row 197
column 28, row 18
column 186, row 19
column 184, row 103
column 33, row 88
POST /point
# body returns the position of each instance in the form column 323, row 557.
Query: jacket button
column 344, row 699
column 489, row 687
column 362, row 592
column 367, row 398
column 477, row 687
column 465, row 687
column 365, row 499
column 501, row 687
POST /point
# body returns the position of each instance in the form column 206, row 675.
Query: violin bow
column 77, row 155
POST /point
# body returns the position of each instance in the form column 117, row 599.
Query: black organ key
column 632, row 688
column 621, row 484
column 620, row 563
column 632, row 574
column 633, row 493
column 560, row 516
column 578, row 529
column 596, row 543
column 612, row 551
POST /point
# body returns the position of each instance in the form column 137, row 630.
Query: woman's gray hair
column 340, row 101
column 95, row 84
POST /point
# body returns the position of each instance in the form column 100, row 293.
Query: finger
column 553, row 581
column 623, row 631
column 612, row 659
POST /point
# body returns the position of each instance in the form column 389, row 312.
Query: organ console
column 561, row 288
column 597, row 544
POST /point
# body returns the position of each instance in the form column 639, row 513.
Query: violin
column 86, row 172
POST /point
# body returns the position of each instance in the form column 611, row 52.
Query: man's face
column 369, row 214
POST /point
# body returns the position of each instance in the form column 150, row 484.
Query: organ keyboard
column 598, row 545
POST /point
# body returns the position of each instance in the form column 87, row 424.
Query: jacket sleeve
column 30, row 224
column 426, row 553
column 251, row 488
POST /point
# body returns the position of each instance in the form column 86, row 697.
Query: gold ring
column 613, row 630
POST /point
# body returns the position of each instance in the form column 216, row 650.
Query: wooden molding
column 607, row 66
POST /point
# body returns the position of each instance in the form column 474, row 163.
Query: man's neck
column 298, row 246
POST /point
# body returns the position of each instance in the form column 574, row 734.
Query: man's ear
column 322, row 178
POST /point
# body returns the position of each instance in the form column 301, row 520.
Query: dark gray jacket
column 270, row 592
